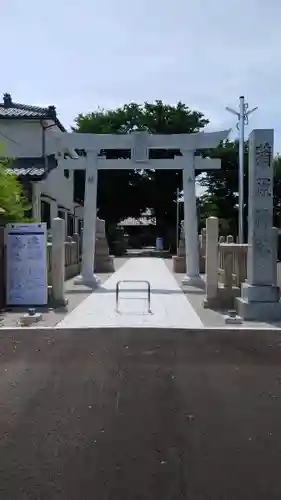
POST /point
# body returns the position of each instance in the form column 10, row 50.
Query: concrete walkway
column 169, row 307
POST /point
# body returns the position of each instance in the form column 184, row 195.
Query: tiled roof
column 20, row 110
column 142, row 221
column 33, row 168
column 11, row 109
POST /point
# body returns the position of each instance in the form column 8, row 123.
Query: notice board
column 27, row 273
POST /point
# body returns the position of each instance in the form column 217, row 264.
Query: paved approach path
column 169, row 307
column 148, row 415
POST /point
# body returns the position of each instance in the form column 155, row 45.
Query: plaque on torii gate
column 139, row 142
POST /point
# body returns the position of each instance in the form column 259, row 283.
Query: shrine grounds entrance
column 140, row 143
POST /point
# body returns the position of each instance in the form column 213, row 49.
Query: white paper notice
column 27, row 277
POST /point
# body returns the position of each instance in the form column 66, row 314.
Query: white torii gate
column 139, row 142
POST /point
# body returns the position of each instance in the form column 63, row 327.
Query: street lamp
column 243, row 120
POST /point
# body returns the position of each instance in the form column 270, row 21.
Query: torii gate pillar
column 192, row 277
column 140, row 142
column 87, row 276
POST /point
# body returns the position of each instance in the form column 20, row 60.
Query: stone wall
column 72, row 249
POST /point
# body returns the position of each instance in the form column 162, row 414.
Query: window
column 46, row 213
column 27, row 193
column 70, row 225
column 66, row 173
column 61, row 214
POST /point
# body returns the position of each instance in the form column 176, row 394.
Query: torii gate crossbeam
column 139, row 143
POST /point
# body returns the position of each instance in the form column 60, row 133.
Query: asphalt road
column 140, row 415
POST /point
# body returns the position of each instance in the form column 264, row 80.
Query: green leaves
column 128, row 193
column 12, row 201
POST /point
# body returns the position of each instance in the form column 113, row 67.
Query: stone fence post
column 212, row 234
column 228, row 268
column 202, row 251
column 76, row 238
column 58, row 261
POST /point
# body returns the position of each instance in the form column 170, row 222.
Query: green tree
column 12, row 202
column 221, row 196
column 127, row 193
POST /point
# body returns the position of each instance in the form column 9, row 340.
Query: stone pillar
column 181, row 250
column 212, row 236
column 36, row 201
column 76, row 238
column 104, row 262
column 202, row 251
column 66, row 223
column 190, row 225
column 179, row 260
column 76, row 224
column 58, row 261
column 87, row 276
column 260, row 295
column 53, row 210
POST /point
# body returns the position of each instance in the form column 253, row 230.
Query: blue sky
column 81, row 55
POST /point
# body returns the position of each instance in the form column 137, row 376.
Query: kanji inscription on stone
column 264, row 154
column 260, row 235
column 264, row 186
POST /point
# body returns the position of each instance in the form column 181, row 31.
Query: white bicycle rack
column 134, row 281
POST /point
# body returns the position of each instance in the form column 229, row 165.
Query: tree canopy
column 221, row 197
column 127, row 193
column 13, row 205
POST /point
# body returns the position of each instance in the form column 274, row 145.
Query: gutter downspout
column 44, row 128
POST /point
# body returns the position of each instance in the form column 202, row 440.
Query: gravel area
column 75, row 294
column 209, row 317
column 150, row 415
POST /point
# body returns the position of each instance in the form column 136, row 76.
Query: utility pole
column 178, row 218
column 243, row 119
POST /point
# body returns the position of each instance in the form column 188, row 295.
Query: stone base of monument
column 232, row 318
column 179, row 265
column 104, row 264
column 90, row 281
column 196, row 281
column 29, row 319
column 223, row 298
column 260, row 293
column 259, row 303
column 55, row 303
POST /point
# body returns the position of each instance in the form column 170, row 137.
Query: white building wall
column 24, row 138
column 57, row 186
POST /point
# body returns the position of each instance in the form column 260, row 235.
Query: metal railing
column 134, row 281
